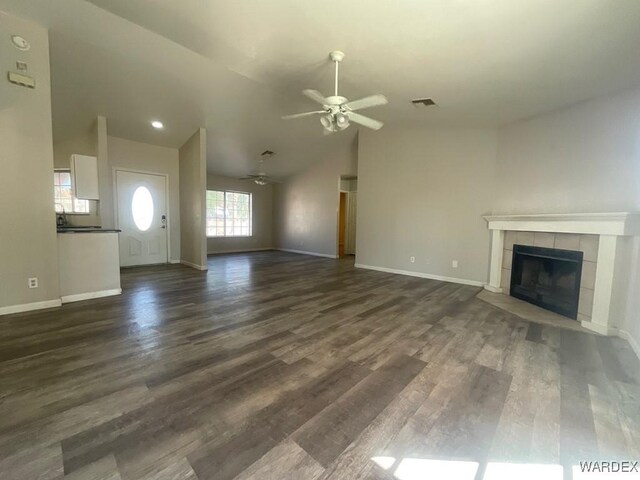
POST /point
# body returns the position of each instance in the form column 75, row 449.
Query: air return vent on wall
column 423, row 102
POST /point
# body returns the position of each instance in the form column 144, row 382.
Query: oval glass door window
column 142, row 208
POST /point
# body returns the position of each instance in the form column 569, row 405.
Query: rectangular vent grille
column 423, row 102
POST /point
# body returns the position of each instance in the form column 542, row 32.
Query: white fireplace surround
column 613, row 229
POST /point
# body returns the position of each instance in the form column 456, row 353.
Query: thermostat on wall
column 22, row 80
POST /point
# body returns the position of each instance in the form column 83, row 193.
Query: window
column 228, row 214
column 63, row 194
column 142, row 208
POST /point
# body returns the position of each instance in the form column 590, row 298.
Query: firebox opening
column 547, row 277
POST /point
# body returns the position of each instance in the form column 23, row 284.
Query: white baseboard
column 89, row 295
column 632, row 341
column 493, row 289
column 243, row 250
column 194, row 265
column 173, row 261
column 26, row 307
column 302, row 252
column 601, row 329
column 462, row 281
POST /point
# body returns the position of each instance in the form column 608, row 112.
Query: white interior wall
column 262, row 216
column 422, row 193
column 306, row 205
column 581, row 159
column 193, row 187
column 84, row 143
column 630, row 325
column 28, row 226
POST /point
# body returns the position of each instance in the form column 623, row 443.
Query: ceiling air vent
column 423, row 102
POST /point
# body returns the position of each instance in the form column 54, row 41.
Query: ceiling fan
column 261, row 178
column 337, row 111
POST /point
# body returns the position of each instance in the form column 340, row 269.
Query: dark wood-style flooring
column 281, row 366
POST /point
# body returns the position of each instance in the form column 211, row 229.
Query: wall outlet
column 454, row 263
column 33, row 282
column 412, row 259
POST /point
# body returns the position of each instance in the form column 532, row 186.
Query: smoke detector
column 20, row 43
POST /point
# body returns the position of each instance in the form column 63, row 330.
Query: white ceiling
column 236, row 66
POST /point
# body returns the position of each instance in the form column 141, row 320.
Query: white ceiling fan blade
column 315, row 95
column 365, row 121
column 366, row 102
column 301, row 115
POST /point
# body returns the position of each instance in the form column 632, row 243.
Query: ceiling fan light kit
column 337, row 111
column 261, row 178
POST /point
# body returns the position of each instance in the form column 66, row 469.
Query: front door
column 142, row 217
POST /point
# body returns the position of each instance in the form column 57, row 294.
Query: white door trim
column 166, row 196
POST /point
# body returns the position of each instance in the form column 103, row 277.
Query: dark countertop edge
column 104, row 230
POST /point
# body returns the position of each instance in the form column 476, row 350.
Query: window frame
column 224, row 192
column 74, row 198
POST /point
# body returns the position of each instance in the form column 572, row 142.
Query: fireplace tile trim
column 608, row 227
column 578, row 242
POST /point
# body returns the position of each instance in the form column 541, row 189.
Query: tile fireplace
column 547, row 277
column 597, row 272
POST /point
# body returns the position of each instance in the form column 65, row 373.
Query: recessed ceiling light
column 157, row 124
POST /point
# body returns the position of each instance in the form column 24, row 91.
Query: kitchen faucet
column 61, row 218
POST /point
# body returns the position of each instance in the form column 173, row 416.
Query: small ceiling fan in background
column 261, row 178
column 337, row 111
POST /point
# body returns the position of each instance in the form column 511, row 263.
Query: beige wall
column 105, row 181
column 262, row 219
column 631, row 322
column 28, row 228
column 306, row 205
column 193, row 185
column 422, row 192
column 84, row 143
column 145, row 158
column 585, row 158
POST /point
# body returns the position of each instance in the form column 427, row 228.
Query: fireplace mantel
column 610, row 227
column 619, row 223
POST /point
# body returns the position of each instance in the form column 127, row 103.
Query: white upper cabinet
column 84, row 176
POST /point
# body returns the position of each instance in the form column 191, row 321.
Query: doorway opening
column 347, row 208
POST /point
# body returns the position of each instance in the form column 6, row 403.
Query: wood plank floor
column 281, row 366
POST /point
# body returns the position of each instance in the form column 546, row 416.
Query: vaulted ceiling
column 236, row 66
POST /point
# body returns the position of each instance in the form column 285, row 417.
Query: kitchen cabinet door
column 84, row 176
